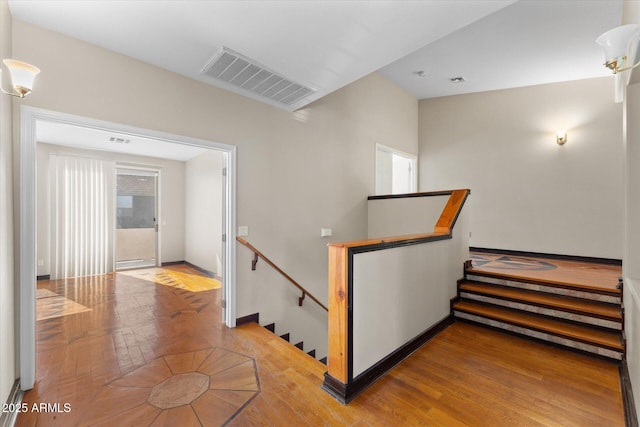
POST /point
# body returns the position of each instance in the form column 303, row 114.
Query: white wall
column 297, row 172
column 203, row 206
column 631, row 260
column 402, row 292
column 529, row 193
column 403, row 216
column 171, row 205
column 8, row 291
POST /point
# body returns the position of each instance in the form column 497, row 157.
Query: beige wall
column 403, row 216
column 8, row 290
column 171, row 199
column 297, row 172
column 529, row 193
column 203, row 216
column 631, row 260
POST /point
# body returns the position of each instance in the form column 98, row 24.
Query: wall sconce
column 561, row 137
column 616, row 43
column 22, row 77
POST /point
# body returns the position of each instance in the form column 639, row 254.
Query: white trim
column 382, row 147
column 8, row 418
column 27, row 252
column 29, row 116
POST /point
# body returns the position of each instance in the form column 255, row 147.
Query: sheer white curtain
column 82, row 216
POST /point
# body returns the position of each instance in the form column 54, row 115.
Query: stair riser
column 560, row 314
column 541, row 335
column 548, row 289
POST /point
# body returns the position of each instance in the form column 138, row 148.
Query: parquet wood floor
column 107, row 362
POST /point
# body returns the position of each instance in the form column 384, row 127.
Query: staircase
column 271, row 327
column 583, row 318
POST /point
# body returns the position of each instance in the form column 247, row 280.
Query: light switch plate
column 326, row 232
column 243, row 230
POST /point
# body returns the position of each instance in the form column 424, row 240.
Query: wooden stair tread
column 582, row 306
column 287, row 351
column 549, row 282
column 556, row 327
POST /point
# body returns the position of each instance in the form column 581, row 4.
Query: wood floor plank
column 466, row 375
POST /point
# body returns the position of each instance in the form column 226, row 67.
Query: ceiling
column 87, row 138
column 326, row 45
column 528, row 43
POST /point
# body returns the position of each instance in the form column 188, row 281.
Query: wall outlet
column 326, row 232
column 40, row 263
column 243, row 230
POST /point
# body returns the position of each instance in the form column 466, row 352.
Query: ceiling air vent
column 237, row 70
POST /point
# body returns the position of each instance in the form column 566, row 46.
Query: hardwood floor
column 125, row 361
column 586, row 274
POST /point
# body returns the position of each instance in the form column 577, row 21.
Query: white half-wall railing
column 388, row 296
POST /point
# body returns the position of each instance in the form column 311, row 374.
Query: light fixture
column 561, row 137
column 616, row 43
column 22, row 77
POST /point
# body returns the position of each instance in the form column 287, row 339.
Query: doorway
column 136, row 234
column 30, row 119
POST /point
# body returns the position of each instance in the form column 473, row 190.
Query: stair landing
column 570, row 303
column 588, row 275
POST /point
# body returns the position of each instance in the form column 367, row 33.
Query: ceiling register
column 232, row 68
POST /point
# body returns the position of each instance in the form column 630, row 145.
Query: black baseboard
column 345, row 393
column 255, row 317
column 164, row 264
column 595, row 260
column 628, row 403
column 44, row 277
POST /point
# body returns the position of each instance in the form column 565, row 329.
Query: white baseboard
column 8, row 419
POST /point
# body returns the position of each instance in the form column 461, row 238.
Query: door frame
column 157, row 213
column 29, row 118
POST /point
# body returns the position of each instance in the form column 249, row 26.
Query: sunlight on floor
column 177, row 279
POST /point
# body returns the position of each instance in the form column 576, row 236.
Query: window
column 395, row 171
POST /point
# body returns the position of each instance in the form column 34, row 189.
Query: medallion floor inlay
column 179, row 390
column 200, row 380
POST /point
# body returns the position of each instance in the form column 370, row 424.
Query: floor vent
column 232, row 68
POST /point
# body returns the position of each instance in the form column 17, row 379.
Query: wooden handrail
column 257, row 254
